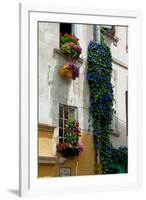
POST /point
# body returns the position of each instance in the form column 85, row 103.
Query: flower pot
column 69, row 74
column 69, row 71
column 70, row 152
column 64, row 72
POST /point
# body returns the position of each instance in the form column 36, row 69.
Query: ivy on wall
column 99, row 74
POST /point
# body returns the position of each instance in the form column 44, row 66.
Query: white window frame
column 63, row 118
column 30, row 185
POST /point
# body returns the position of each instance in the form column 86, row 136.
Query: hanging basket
column 69, row 71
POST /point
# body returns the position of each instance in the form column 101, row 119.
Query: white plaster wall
column 120, row 82
column 52, row 88
column 47, row 43
column 119, row 52
column 120, row 86
column 85, row 34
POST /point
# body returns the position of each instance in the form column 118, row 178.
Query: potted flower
column 69, row 71
column 70, row 46
column 72, row 146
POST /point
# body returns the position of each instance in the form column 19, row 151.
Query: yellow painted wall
column 80, row 165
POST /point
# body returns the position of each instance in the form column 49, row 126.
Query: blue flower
column 98, row 145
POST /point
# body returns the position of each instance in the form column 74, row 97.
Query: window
column 65, row 112
column 65, row 28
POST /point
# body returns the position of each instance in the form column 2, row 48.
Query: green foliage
column 99, row 74
column 69, row 45
column 71, row 146
column 117, row 161
column 66, row 38
column 71, row 50
column 72, row 132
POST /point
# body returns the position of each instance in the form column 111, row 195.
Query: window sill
column 60, row 52
column 47, row 128
column 47, row 160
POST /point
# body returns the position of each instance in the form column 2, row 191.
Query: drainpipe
column 96, row 33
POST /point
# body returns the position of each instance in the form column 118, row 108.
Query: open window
column 65, row 112
column 65, row 28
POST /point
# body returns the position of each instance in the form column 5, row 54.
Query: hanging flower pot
column 69, row 74
column 69, row 71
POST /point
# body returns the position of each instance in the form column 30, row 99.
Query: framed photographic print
column 80, row 100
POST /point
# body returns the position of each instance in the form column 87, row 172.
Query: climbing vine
column 99, row 74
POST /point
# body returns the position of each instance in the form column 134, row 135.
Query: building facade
column 61, row 99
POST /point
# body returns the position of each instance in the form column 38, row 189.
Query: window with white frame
column 65, row 112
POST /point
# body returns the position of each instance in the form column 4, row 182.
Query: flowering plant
column 65, row 37
column 99, row 74
column 80, row 146
column 70, row 45
column 69, row 71
column 71, row 146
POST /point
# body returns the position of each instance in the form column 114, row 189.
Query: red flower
column 77, row 124
column 67, row 34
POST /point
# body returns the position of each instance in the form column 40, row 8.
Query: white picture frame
column 29, row 184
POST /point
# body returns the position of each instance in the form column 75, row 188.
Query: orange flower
column 71, row 44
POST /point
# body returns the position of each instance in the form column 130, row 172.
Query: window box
column 60, row 52
column 70, row 152
column 69, row 44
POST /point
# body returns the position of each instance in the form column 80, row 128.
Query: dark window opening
column 65, row 28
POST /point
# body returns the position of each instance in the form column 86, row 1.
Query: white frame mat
column 30, row 185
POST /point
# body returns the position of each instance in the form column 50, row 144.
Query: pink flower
column 78, row 48
column 81, row 146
